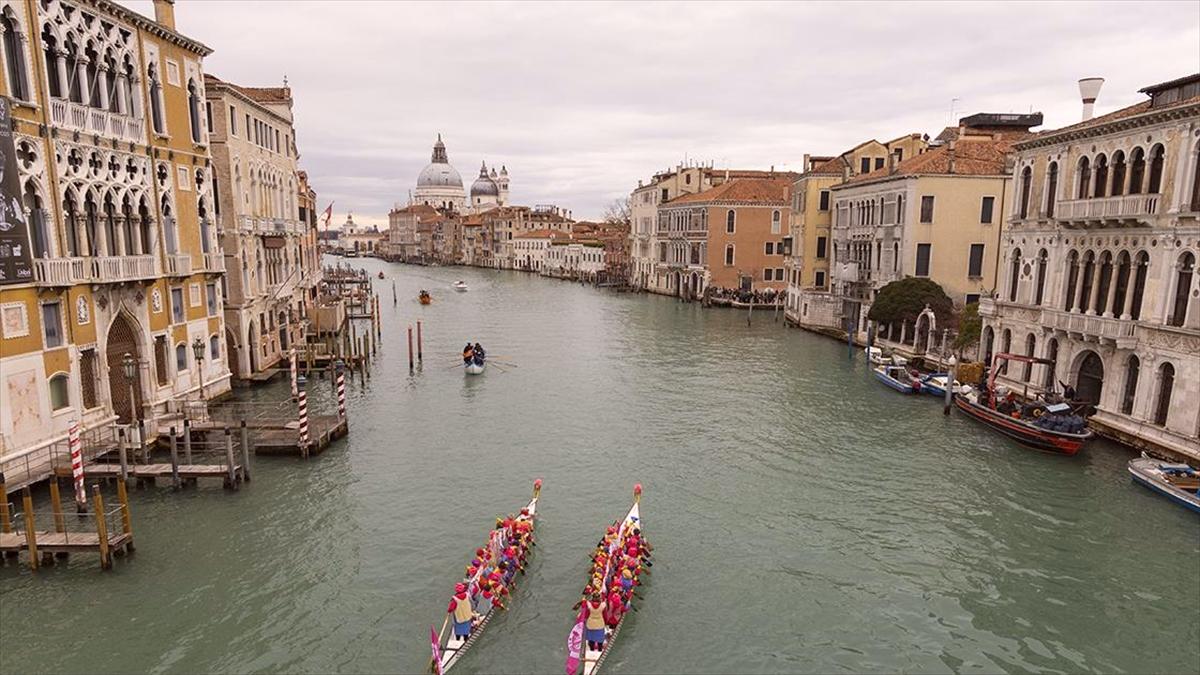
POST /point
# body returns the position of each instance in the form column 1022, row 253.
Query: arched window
column 60, row 391
column 14, row 57
column 39, row 235
column 1141, row 268
column 50, row 54
column 91, row 224
column 1014, row 276
column 181, row 362
column 1085, row 285
column 989, row 337
column 1101, row 179
column 214, row 348
column 168, row 227
column 1131, row 380
column 1137, row 170
column 194, row 110
column 730, row 218
column 1026, row 186
column 1166, row 382
column 1122, row 281
column 1083, row 178
column 74, row 83
column 1156, row 170
column 896, row 256
column 776, row 222
column 1030, row 345
column 1102, row 288
column 1195, row 201
column 1051, row 188
column 728, row 254
column 1118, row 174
column 1051, row 355
column 1183, row 286
column 156, row 106
column 1005, row 348
column 1041, row 277
column 70, row 218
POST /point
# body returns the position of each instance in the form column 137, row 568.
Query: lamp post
column 129, row 367
column 198, row 352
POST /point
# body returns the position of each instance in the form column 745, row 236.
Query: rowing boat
column 592, row 659
column 449, row 648
column 475, row 366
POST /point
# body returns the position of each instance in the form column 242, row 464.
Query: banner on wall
column 16, row 260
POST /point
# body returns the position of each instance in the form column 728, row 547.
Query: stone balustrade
column 1122, row 207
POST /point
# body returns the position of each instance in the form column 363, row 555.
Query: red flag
column 328, row 213
column 437, row 653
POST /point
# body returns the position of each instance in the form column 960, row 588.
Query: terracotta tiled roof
column 971, row 158
column 419, row 210
column 742, row 191
column 258, row 94
column 1130, row 111
column 833, row 167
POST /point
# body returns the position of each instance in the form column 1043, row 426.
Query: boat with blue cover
column 1178, row 482
column 935, row 384
column 898, row 378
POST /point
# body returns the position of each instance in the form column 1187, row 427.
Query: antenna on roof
column 953, row 105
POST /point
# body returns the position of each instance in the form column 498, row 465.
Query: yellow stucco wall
column 955, row 226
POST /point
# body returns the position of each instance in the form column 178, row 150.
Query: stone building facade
column 1099, row 267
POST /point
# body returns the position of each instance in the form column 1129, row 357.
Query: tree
column 904, row 300
column 969, row 327
column 617, row 212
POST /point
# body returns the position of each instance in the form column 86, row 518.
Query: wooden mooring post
column 30, row 527
column 245, row 452
column 126, row 520
column 123, row 455
column 420, row 348
column 101, row 528
column 410, row 350
column 60, row 524
column 174, row 459
column 187, row 441
column 231, row 479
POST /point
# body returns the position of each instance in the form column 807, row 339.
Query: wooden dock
column 112, row 533
column 322, row 429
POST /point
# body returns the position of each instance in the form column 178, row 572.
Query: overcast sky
column 581, row 100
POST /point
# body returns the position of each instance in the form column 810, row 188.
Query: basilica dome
column 439, row 174
column 484, row 186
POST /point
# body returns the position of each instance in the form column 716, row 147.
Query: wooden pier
column 107, row 533
column 284, row 441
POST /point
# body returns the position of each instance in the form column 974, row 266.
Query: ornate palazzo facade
column 1098, row 267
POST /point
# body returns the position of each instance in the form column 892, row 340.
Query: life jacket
column 462, row 608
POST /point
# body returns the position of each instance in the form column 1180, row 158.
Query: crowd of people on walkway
column 491, row 574
column 758, row 296
column 620, row 558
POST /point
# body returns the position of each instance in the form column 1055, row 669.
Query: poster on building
column 16, row 263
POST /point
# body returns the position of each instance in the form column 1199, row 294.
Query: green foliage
column 905, row 299
column 969, row 327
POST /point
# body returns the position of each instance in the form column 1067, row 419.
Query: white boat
column 475, row 367
column 592, row 660
column 1178, row 482
column 874, row 355
column 461, row 286
column 450, row 648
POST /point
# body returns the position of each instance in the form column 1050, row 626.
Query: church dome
column 484, row 186
column 439, row 173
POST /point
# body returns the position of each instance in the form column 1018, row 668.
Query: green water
column 805, row 518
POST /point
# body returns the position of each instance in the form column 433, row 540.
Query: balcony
column 179, row 264
column 214, row 262
column 1109, row 209
column 119, row 268
column 61, row 271
column 86, row 119
column 1092, row 328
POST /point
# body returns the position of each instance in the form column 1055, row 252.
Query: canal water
column 805, row 518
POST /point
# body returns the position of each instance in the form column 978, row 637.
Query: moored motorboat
column 449, row 647
column 898, row 378
column 935, row 384
column 579, row 650
column 1046, row 426
column 460, row 286
column 1178, row 482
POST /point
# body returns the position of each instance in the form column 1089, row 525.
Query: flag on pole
column 437, row 653
column 328, row 214
column 575, row 643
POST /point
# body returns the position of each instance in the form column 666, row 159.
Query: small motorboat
column 898, row 378
column 460, row 286
column 424, row 297
column 935, row 384
column 1178, row 482
column 874, row 356
column 1054, row 427
column 447, row 647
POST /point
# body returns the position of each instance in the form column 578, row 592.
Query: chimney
column 806, row 163
column 892, row 162
column 1089, row 89
column 951, row 153
column 164, row 13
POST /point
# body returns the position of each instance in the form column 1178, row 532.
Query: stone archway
column 1089, row 381
column 122, row 340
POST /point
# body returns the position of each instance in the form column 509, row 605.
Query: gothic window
column 1084, row 178
column 168, row 226
column 1051, row 355
column 1041, row 277
column 39, row 234
column 729, row 253
column 730, row 221
column 14, row 57
column 1183, row 286
column 1141, row 267
column 1026, row 186
column 1051, row 188
column 91, row 94
column 1106, row 270
column 50, row 54
column 1118, row 174
column 1137, row 170
column 92, row 225
column 1014, row 275
column 1156, row 170
column 1195, row 200
column 156, row 104
column 1131, row 380
column 1166, row 382
column 1085, row 290
column 1101, row 176
column 1122, row 282
column 194, row 110
column 1072, row 279
column 74, row 82
column 1030, row 345
column 87, row 378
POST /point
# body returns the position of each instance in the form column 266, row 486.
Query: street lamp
column 129, row 367
column 198, row 352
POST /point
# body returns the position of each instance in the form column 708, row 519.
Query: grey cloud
column 580, row 100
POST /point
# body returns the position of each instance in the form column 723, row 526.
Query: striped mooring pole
column 294, row 370
column 341, row 394
column 76, row 447
column 303, row 399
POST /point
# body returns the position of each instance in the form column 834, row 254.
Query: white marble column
column 102, row 79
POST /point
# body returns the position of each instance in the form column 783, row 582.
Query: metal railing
column 33, row 464
column 69, row 529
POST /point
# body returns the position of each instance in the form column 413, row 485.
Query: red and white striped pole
column 341, row 394
column 76, row 447
column 303, row 399
column 295, row 388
